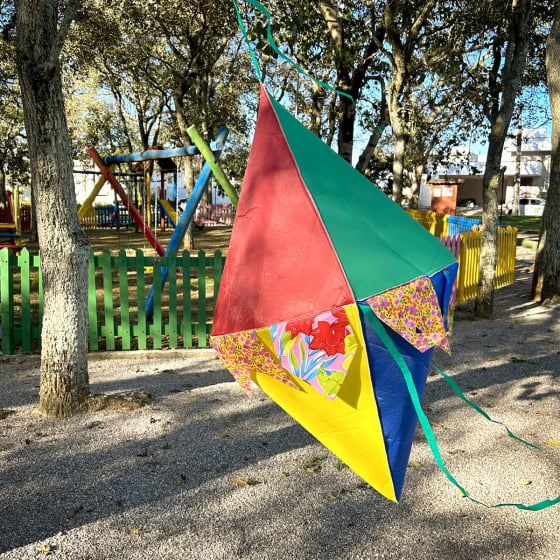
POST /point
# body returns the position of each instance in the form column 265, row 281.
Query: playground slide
column 10, row 235
column 169, row 211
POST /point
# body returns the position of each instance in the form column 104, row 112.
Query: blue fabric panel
column 396, row 412
column 443, row 282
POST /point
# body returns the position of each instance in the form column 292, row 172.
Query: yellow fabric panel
column 348, row 425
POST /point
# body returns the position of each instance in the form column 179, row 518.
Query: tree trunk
column 318, row 97
column 188, row 240
column 64, row 246
column 546, row 278
column 365, row 157
column 3, row 198
column 198, row 163
column 398, row 164
column 518, row 146
column 399, row 133
column 514, row 64
column 331, row 16
column 375, row 136
column 346, row 128
column 183, row 125
column 416, row 182
column 488, row 252
column 33, row 235
column 350, row 79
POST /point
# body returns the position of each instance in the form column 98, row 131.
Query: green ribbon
column 460, row 394
column 275, row 48
column 423, row 419
column 249, row 46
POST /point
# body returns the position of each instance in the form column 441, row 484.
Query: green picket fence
column 117, row 290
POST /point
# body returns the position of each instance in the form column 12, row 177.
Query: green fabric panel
column 377, row 242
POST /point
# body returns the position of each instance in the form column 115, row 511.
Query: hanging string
column 425, row 423
column 461, row 395
column 256, row 4
column 249, row 46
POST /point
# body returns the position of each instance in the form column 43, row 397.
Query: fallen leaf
column 525, row 482
column 492, row 359
column 244, row 481
column 542, row 413
column 330, row 496
column 283, row 473
column 435, row 424
column 461, row 493
column 314, row 465
column 45, row 548
column 136, row 531
column 455, row 451
column 414, row 463
column 554, row 442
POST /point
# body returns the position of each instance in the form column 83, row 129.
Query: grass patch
column 525, row 224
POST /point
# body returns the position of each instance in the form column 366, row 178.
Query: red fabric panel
column 280, row 264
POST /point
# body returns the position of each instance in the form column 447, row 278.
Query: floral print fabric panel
column 243, row 353
column 317, row 349
column 413, row 311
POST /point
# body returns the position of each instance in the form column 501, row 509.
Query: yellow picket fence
column 436, row 224
column 468, row 255
column 469, row 262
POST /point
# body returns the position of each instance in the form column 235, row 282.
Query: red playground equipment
column 10, row 235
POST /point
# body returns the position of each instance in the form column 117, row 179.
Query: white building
column 535, row 156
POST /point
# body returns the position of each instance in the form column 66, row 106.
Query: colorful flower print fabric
column 243, row 353
column 413, row 311
column 317, row 350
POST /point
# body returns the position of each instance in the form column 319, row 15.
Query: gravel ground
column 203, row 472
